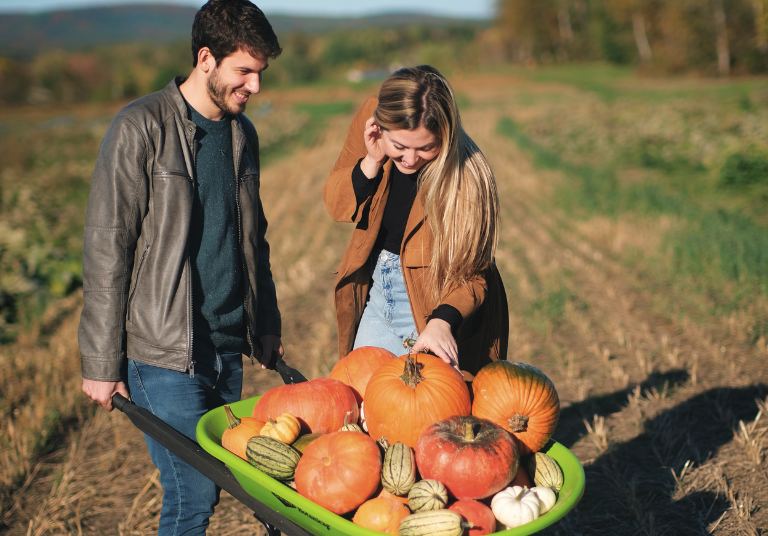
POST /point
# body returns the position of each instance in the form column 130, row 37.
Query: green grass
column 717, row 247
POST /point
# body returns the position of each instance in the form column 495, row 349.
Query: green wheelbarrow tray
column 317, row 520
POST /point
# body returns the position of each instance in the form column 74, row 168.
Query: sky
column 330, row 8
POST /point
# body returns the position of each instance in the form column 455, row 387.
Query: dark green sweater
column 217, row 285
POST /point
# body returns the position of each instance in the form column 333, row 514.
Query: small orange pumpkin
column 519, row 398
column 240, row 430
column 410, row 393
column 382, row 514
column 285, row 428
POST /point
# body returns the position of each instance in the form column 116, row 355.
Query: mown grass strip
column 718, row 247
column 318, row 113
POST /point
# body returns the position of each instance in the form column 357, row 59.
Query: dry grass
column 658, row 397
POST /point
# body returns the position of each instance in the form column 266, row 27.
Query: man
column 176, row 272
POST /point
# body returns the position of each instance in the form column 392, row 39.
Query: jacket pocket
column 136, row 283
column 416, row 258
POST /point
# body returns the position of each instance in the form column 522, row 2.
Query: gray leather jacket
column 136, row 268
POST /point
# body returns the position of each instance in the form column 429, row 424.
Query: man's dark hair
column 226, row 26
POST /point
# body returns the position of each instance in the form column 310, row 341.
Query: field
column 634, row 251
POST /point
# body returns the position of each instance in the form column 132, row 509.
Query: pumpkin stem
column 523, row 492
column 518, row 423
column 346, row 416
column 231, row 419
column 383, row 443
column 467, row 525
column 469, row 432
column 271, row 420
column 412, row 372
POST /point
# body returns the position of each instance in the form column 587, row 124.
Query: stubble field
column 614, row 253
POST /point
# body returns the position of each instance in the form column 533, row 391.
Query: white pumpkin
column 547, row 498
column 515, row 506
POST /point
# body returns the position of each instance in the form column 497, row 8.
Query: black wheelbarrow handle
column 189, row 451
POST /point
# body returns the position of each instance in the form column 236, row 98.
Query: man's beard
column 218, row 94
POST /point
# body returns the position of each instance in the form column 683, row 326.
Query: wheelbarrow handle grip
column 211, row 467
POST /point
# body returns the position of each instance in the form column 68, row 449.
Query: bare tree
column 564, row 22
column 721, row 29
column 761, row 31
column 641, row 37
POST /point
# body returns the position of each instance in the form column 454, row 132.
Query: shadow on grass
column 631, row 488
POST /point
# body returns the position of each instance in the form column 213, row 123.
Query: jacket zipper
column 135, row 286
column 190, row 313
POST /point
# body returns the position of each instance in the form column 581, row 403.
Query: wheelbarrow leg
column 271, row 530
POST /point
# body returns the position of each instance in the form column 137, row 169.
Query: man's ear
column 205, row 60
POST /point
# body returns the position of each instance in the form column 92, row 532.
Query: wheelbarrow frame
column 192, row 453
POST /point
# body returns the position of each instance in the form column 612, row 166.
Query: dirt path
column 651, row 395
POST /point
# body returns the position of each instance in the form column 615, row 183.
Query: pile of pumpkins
column 426, row 457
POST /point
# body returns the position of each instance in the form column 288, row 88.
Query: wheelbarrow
column 280, row 508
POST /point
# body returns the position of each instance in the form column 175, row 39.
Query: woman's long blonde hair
column 460, row 197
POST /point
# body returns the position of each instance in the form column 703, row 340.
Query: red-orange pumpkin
column 411, row 392
column 476, row 513
column 382, row 514
column 320, row 404
column 521, row 479
column 519, row 398
column 474, row 458
column 357, row 367
column 339, row 471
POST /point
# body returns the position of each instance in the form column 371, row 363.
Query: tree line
column 708, row 37
column 711, row 37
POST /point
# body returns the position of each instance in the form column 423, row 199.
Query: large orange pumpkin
column 319, row 404
column 382, row 514
column 411, row 392
column 519, row 398
column 339, row 471
column 357, row 367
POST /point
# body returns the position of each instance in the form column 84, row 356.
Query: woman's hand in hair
column 373, row 161
column 437, row 339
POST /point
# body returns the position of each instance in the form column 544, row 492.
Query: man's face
column 231, row 82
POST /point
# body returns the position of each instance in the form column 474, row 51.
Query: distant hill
column 24, row 35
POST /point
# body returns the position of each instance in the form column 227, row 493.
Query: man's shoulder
column 148, row 112
column 247, row 125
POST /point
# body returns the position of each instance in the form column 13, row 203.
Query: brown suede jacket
column 480, row 339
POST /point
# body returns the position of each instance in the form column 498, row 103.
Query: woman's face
column 410, row 149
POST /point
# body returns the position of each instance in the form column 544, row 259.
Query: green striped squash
column 398, row 472
column 544, row 470
column 426, row 495
column 433, row 523
column 272, row 457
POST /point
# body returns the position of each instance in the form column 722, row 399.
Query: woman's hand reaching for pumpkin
column 438, row 339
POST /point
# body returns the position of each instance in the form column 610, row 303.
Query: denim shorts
column 387, row 318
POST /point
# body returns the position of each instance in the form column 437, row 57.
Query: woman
column 420, row 262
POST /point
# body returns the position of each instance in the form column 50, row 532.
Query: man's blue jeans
column 387, row 318
column 188, row 497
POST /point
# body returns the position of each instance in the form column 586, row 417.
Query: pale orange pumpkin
column 356, row 368
column 410, row 393
column 519, row 398
column 382, row 514
column 285, row 428
column 240, row 430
